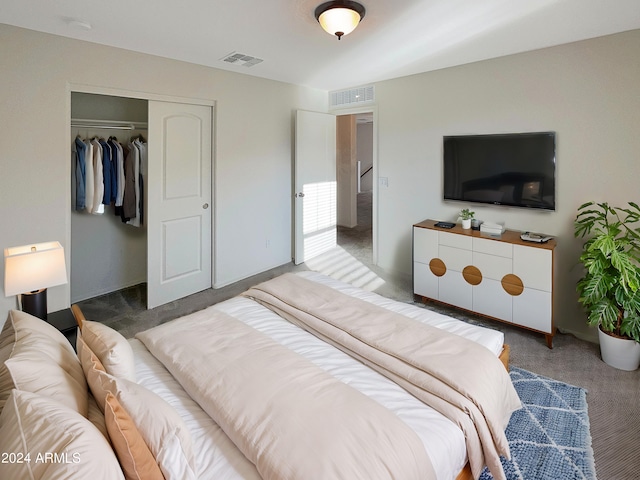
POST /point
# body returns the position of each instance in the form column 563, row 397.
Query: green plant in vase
column 466, row 215
column 609, row 291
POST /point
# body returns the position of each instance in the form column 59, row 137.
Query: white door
column 179, row 199
column 315, row 185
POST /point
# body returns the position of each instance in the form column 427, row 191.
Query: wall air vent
column 352, row 96
column 241, row 59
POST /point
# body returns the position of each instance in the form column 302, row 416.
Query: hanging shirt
column 142, row 147
column 119, row 166
column 143, row 176
column 113, row 173
column 98, row 192
column 106, row 172
column 79, row 152
column 136, row 218
column 89, row 180
column 129, row 200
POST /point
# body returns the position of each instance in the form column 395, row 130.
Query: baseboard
column 107, row 291
column 217, row 285
column 586, row 336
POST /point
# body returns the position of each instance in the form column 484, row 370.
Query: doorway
column 355, row 174
column 107, row 253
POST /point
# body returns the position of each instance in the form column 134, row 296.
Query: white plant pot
column 620, row 353
column 466, row 223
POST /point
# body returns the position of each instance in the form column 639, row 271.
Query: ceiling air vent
column 241, row 59
column 352, row 96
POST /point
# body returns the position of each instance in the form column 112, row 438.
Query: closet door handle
column 205, row 206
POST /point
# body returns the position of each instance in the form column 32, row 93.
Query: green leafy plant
column 610, row 289
column 466, row 214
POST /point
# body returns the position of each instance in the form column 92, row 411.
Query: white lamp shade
column 337, row 20
column 32, row 267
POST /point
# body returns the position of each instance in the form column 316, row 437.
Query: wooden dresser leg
column 549, row 340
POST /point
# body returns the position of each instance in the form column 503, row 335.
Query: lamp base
column 35, row 303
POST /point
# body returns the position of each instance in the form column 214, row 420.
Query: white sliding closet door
column 179, row 201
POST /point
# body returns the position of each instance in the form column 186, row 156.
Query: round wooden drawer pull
column 512, row 284
column 472, row 275
column 437, row 267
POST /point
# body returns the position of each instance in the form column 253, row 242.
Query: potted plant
column 466, row 215
column 610, row 288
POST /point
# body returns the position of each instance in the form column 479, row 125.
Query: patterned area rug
column 549, row 437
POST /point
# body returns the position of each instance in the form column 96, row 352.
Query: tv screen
column 516, row 169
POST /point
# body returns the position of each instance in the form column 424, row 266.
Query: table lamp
column 29, row 270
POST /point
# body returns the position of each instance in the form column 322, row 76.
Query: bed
column 138, row 376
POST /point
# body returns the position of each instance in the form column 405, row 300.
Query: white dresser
column 503, row 278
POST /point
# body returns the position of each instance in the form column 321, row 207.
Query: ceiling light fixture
column 339, row 17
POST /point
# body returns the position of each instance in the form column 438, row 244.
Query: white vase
column 466, row 223
column 621, row 353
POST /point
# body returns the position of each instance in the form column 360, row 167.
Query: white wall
column 587, row 92
column 365, row 155
column 346, row 171
column 253, row 145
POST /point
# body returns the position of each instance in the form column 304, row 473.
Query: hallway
column 358, row 241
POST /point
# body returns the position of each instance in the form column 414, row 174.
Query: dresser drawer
column 425, row 245
column 492, row 266
column 493, row 247
column 534, row 266
column 455, row 258
column 455, row 240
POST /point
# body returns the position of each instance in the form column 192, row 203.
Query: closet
column 171, row 250
column 106, row 254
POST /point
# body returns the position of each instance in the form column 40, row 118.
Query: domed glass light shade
column 339, row 17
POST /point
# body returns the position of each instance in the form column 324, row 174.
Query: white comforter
column 218, row 457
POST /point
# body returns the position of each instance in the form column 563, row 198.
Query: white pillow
column 39, row 359
column 161, row 427
column 31, row 373
column 111, row 348
column 60, row 443
column 96, row 417
column 20, row 324
column 87, row 358
column 95, row 412
column 136, row 460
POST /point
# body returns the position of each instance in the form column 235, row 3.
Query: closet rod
column 108, row 124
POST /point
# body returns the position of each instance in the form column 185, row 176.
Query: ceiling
column 396, row 38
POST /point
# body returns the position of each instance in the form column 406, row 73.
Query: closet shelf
column 108, row 124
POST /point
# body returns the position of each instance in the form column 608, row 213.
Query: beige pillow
column 136, row 460
column 92, row 368
column 87, row 357
column 60, row 443
column 96, row 417
column 39, row 359
column 20, row 324
column 111, row 348
column 161, row 427
column 31, row 373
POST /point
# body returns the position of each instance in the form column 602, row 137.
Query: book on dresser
column 500, row 277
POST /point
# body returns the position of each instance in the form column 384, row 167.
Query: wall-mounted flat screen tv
column 516, row 169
